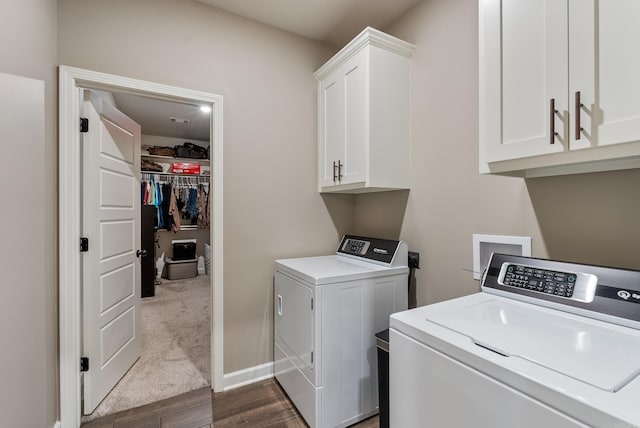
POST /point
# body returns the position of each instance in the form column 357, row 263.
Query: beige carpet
column 175, row 347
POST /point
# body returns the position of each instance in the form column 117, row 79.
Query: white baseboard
column 249, row 375
column 56, row 425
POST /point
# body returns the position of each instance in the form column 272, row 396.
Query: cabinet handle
column 552, row 121
column 340, row 165
column 334, row 171
column 279, row 300
column 578, row 104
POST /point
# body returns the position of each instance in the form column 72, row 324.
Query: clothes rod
column 175, row 174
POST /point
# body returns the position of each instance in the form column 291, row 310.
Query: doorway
column 70, row 203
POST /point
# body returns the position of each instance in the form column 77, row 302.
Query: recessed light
column 205, row 109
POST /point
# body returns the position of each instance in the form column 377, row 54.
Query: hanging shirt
column 173, row 211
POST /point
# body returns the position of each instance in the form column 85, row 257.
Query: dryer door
column 294, row 323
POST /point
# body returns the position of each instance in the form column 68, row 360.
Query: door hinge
column 84, row 124
column 84, row 364
column 312, row 303
column 84, row 245
column 311, row 357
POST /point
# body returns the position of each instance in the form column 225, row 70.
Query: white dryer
column 545, row 344
column 326, row 312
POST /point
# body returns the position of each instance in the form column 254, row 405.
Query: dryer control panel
column 381, row 251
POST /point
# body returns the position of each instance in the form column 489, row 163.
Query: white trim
column 70, row 81
column 247, row 376
column 367, row 37
column 516, row 245
column 56, row 425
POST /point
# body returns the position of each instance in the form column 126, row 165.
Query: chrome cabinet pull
column 340, row 165
column 334, row 171
column 578, row 105
column 279, row 300
column 552, row 121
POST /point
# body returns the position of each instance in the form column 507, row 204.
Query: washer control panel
column 605, row 293
column 570, row 285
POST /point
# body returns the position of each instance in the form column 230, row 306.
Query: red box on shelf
column 185, row 168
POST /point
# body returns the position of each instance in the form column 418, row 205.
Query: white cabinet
column 364, row 116
column 559, row 86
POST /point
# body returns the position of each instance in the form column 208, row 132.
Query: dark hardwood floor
column 190, row 410
column 261, row 405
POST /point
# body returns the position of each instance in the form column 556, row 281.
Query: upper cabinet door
column 523, row 67
column 604, row 53
column 330, row 127
column 356, row 119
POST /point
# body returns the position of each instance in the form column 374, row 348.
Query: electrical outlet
column 414, row 260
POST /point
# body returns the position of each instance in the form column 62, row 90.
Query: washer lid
column 603, row 355
column 329, row 269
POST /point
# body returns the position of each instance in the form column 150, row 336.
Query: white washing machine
column 327, row 311
column 545, row 344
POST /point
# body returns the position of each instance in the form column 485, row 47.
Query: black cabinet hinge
column 84, row 245
column 84, row 364
column 84, row 124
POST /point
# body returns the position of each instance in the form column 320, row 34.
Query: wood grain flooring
column 190, row 410
column 261, row 405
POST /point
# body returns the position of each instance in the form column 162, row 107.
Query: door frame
column 72, row 79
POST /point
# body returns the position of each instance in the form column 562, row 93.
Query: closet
column 177, row 191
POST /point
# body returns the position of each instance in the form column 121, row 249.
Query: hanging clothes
column 175, row 197
column 174, row 212
column 203, row 207
column 158, row 205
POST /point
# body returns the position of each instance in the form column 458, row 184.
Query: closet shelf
column 172, row 159
column 175, row 174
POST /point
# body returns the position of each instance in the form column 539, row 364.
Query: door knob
column 142, row 253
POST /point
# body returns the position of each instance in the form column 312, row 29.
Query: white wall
column 28, row 288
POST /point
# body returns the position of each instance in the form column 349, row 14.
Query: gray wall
column 28, row 288
column 271, row 207
column 590, row 218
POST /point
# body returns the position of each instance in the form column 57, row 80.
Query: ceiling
column 329, row 21
column 153, row 116
column 333, row 22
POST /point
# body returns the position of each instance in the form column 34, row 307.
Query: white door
column 604, row 68
column 343, row 123
column 356, row 112
column 523, row 66
column 294, row 323
column 111, row 270
column 331, row 125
